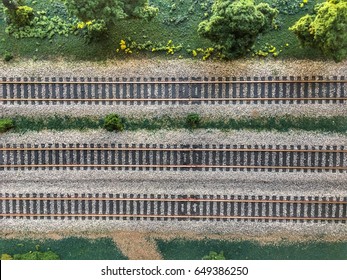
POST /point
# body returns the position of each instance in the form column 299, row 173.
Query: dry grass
column 136, row 245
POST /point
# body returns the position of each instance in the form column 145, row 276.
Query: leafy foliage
column 113, row 123
column 6, row 257
column 5, row 124
column 193, row 120
column 8, row 56
column 325, row 29
column 286, row 7
column 36, row 255
column 214, row 256
column 236, row 24
column 110, row 10
column 41, row 27
column 21, row 16
column 93, row 30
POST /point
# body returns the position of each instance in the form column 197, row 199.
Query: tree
column 10, row 4
column 110, row 10
column 17, row 13
column 326, row 29
column 236, row 24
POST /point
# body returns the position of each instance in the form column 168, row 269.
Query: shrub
column 325, row 29
column 236, row 24
column 110, row 10
column 5, row 124
column 21, row 16
column 193, row 120
column 113, row 122
column 214, row 256
column 8, row 56
column 6, row 257
column 92, row 30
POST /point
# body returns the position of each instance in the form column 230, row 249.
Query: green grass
column 60, row 123
column 179, row 25
column 285, row 123
column 71, row 248
column 5, row 124
column 180, row 249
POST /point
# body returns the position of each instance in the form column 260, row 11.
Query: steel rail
column 178, row 216
column 192, row 99
column 281, row 150
column 170, row 200
column 173, row 166
column 171, row 82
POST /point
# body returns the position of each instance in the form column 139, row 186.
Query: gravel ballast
column 176, row 182
column 334, row 231
column 170, row 182
column 181, row 136
column 172, row 68
column 150, row 111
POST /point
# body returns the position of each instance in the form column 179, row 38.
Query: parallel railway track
column 174, row 157
column 173, row 207
column 165, row 91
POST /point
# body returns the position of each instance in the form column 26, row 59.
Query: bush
column 21, row 16
column 325, row 29
column 113, row 122
column 109, row 10
column 97, row 30
column 214, row 256
column 7, row 56
column 193, row 120
column 5, row 124
column 235, row 25
column 6, row 257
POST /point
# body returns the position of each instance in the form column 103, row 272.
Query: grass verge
column 71, row 248
column 181, row 249
column 282, row 124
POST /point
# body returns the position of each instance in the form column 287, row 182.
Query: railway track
column 167, row 91
column 173, row 207
column 174, row 157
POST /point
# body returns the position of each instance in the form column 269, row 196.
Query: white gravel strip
column 175, row 182
column 206, row 111
column 171, row 68
column 199, row 136
column 246, row 228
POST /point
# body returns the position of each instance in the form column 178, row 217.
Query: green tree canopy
column 326, row 29
column 110, row 10
column 236, row 24
column 10, row 4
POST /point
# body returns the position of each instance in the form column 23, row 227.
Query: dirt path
column 136, row 246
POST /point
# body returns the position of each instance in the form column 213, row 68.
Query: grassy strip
column 181, row 249
column 284, row 123
column 71, row 248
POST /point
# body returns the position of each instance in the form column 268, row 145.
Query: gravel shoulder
column 180, row 136
column 172, row 68
column 150, row 111
column 333, row 231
